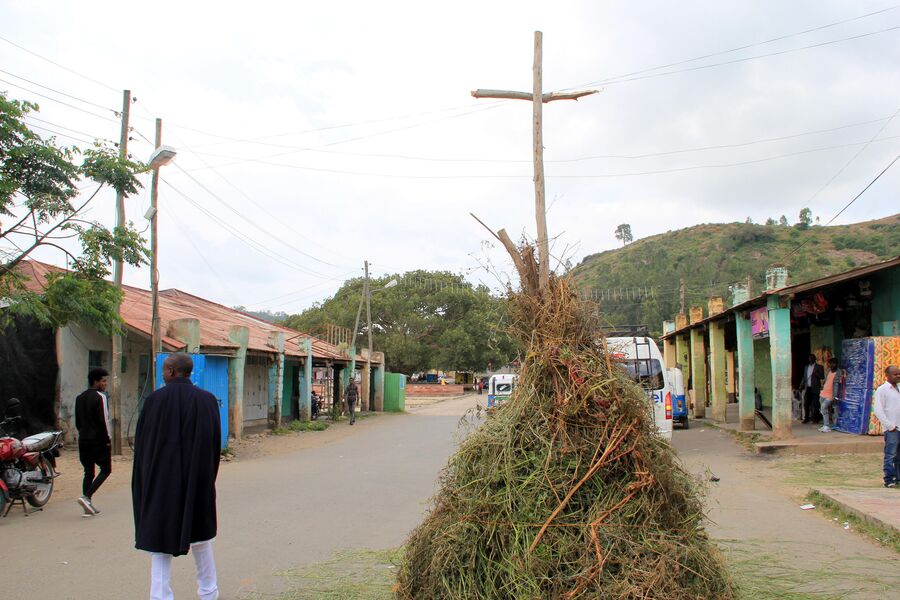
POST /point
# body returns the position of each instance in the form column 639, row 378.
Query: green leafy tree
column 40, row 206
column 771, row 222
column 806, row 219
column 783, row 221
column 623, row 234
column 431, row 319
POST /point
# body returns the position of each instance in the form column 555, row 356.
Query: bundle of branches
column 565, row 491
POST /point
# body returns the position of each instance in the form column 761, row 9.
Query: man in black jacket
column 92, row 421
column 352, row 395
column 813, row 375
column 173, row 485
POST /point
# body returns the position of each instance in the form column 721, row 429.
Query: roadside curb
column 878, row 507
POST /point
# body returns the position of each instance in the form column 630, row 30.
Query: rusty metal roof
column 215, row 319
column 791, row 290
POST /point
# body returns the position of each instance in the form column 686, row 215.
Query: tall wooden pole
column 365, row 401
column 115, row 384
column 155, row 334
column 540, row 208
column 537, row 98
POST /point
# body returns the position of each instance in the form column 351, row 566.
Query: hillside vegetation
column 712, row 256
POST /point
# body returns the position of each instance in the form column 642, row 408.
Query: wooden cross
column 538, row 98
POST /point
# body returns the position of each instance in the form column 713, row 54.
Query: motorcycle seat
column 40, row 441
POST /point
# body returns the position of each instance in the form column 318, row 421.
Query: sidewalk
column 807, row 438
column 877, row 506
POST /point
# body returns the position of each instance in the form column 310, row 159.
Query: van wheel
column 684, row 423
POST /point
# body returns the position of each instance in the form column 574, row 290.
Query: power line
column 854, row 199
column 58, row 126
column 72, row 106
column 61, row 93
column 748, row 58
column 63, row 67
column 738, row 48
column 242, row 216
column 60, row 133
column 563, row 176
column 576, row 159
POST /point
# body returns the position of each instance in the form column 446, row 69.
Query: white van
column 643, row 360
column 500, row 387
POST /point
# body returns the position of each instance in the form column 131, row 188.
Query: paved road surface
column 365, row 490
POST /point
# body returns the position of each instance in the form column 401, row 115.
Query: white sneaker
column 825, row 429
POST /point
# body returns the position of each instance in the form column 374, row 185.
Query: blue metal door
column 211, row 374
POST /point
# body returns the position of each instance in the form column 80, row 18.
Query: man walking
column 352, row 395
column 887, row 409
column 813, row 374
column 92, row 422
column 176, row 460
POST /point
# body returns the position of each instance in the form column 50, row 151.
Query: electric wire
column 52, row 62
column 58, row 126
column 61, row 134
column 746, row 58
column 564, row 176
column 61, row 93
column 846, row 206
column 52, row 99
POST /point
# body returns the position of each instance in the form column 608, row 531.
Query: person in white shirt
column 887, row 409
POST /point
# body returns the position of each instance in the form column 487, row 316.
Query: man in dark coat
column 810, row 386
column 352, row 395
column 176, row 460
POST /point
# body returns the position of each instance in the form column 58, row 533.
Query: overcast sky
column 313, row 136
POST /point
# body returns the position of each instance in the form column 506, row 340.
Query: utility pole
column 155, row 337
column 355, row 329
column 537, row 98
column 681, row 295
column 115, row 387
column 365, row 401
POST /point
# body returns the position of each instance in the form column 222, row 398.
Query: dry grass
column 565, row 491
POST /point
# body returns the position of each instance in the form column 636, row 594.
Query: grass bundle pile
column 564, row 492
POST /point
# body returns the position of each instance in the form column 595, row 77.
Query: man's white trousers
column 161, row 573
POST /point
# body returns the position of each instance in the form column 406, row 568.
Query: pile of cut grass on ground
column 565, row 491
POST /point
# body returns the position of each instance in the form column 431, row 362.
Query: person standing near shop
column 92, row 422
column 887, row 409
column 813, row 375
column 829, row 394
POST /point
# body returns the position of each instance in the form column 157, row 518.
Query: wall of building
column 886, row 303
column 762, row 370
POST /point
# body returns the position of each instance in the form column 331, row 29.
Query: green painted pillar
column 683, row 357
column 306, row 381
column 746, row 377
column 698, row 372
column 718, row 391
column 240, row 336
column 780, row 355
column 379, row 382
column 276, row 341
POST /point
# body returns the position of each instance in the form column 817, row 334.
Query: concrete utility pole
column 681, row 296
column 155, row 334
column 537, row 98
column 115, row 371
column 365, row 400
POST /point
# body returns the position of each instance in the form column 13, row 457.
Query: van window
column 503, row 388
column 647, row 372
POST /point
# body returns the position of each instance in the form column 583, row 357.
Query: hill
column 640, row 282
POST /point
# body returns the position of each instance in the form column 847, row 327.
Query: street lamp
column 162, row 156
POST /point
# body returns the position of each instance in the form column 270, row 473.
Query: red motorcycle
column 27, row 467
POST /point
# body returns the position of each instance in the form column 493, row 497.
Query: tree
column 432, row 319
column 623, row 234
column 749, row 221
column 40, row 207
column 771, row 222
column 783, row 221
column 805, row 219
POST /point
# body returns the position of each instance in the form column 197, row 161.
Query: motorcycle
column 27, row 467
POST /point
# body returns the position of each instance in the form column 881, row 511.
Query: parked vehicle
column 27, row 467
column 500, row 387
column 641, row 357
column 679, row 400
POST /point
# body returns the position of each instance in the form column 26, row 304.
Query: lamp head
column 162, row 156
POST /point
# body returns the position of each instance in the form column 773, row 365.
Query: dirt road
column 360, row 487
